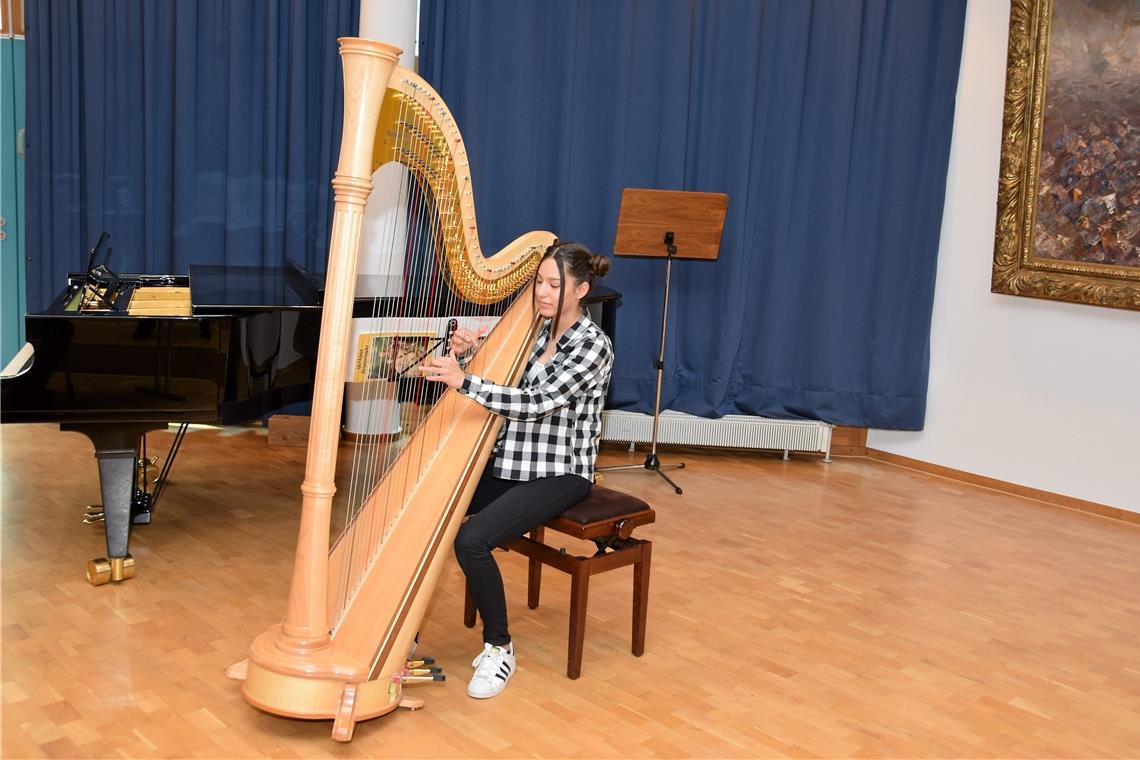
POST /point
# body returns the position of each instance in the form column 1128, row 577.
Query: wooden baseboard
column 849, row 442
column 1054, row 499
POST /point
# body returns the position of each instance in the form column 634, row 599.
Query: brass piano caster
column 102, row 570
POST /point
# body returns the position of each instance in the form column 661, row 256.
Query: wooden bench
column 608, row 518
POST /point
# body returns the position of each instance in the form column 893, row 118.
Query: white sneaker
column 493, row 668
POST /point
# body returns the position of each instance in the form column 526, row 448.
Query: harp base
column 344, row 703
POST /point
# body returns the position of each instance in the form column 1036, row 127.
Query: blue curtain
column 193, row 132
column 828, row 125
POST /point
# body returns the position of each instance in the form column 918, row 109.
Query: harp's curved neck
column 417, row 130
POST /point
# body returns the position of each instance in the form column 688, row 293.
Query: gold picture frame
column 1054, row 272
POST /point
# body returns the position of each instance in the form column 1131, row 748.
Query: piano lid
column 228, row 289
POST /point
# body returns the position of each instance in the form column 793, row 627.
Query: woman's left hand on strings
column 443, row 369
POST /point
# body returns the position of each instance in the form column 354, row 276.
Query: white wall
column 1034, row 392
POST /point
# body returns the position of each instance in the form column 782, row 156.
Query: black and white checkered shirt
column 554, row 419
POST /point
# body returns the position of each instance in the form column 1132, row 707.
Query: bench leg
column 579, row 591
column 534, row 574
column 641, row 598
column 468, row 607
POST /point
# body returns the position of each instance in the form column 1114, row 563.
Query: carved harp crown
column 354, row 609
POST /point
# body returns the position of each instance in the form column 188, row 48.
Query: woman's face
column 547, row 285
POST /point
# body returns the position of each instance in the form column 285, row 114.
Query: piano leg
column 116, row 451
column 117, row 483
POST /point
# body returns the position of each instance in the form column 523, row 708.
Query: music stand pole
column 651, row 460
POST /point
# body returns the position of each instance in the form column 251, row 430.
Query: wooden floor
column 854, row 609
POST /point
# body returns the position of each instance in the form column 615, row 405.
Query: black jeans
column 502, row 511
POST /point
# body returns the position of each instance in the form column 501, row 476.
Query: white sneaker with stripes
column 493, row 668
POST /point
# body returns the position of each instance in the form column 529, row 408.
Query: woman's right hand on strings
column 464, row 339
column 443, row 369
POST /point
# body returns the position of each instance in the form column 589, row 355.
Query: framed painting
column 1068, row 217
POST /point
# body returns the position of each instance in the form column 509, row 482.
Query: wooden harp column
column 341, row 658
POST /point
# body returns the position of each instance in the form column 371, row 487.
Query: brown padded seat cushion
column 604, row 504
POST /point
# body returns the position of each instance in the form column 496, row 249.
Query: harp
column 354, row 609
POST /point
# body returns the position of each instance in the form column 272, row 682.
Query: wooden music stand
column 667, row 224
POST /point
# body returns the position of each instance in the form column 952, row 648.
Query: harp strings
column 373, row 455
column 424, row 306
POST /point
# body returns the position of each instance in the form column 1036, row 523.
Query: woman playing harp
column 543, row 460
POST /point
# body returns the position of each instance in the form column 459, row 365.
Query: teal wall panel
column 12, row 253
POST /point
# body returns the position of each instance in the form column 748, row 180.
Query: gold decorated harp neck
column 417, row 130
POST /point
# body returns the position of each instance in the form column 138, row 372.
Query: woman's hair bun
column 575, row 260
column 599, row 264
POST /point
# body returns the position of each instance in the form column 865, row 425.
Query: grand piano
column 116, row 356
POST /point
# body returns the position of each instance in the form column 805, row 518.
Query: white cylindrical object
column 371, row 410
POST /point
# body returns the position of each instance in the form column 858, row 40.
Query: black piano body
column 224, row 344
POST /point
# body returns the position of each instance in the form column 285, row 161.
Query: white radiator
column 731, row 431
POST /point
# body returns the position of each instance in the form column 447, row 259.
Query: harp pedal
column 421, row 670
